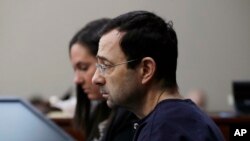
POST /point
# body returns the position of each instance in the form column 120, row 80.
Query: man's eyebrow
column 102, row 58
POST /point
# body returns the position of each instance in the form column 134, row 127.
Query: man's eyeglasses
column 103, row 68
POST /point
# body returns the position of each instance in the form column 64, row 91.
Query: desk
column 226, row 120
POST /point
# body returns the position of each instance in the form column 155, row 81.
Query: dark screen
column 241, row 92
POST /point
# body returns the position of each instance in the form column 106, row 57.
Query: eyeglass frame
column 102, row 68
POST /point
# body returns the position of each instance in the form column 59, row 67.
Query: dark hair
column 83, row 120
column 148, row 35
column 89, row 37
column 82, row 110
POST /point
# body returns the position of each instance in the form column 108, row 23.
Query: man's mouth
column 105, row 96
column 103, row 93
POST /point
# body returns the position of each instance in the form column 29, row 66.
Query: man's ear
column 147, row 69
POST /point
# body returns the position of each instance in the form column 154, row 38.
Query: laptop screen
column 241, row 93
column 19, row 121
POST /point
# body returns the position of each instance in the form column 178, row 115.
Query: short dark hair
column 148, row 35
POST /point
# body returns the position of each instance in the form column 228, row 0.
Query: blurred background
column 214, row 43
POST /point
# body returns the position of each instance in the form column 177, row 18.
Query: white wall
column 214, row 42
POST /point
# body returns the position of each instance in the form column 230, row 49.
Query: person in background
column 198, row 96
column 40, row 104
column 136, row 69
column 92, row 114
column 66, row 103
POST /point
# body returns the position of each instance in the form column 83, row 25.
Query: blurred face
column 118, row 84
column 83, row 63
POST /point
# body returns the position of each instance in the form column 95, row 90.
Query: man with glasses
column 136, row 69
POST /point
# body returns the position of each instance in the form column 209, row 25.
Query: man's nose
column 98, row 79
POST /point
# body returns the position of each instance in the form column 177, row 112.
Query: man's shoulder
column 171, row 108
column 178, row 120
column 175, row 115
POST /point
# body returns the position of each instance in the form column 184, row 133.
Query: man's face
column 118, row 84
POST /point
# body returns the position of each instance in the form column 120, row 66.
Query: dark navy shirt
column 177, row 120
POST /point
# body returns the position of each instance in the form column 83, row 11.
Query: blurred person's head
column 198, row 96
column 82, row 50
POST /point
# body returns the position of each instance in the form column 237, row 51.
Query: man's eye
column 103, row 66
column 106, row 66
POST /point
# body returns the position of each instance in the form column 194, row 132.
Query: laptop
column 20, row 121
column 241, row 94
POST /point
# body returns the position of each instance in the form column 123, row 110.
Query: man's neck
column 152, row 98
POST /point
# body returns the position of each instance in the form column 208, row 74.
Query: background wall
column 214, row 43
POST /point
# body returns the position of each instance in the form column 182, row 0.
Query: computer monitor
column 241, row 93
column 19, row 121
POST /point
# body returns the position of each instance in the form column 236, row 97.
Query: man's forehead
column 109, row 45
column 110, row 39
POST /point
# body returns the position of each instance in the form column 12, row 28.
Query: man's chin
column 110, row 104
